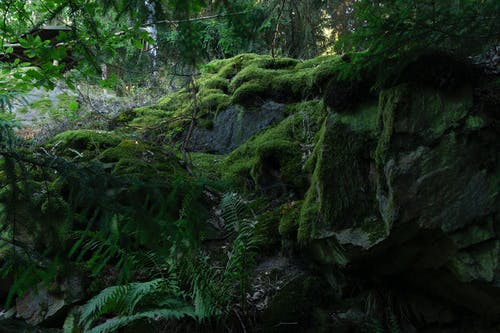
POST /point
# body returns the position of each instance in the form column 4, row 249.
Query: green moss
column 214, row 82
column 125, row 116
column 388, row 102
column 249, row 93
column 148, row 117
column 276, row 154
column 85, row 140
column 67, row 102
column 214, row 101
column 375, row 228
column 141, row 160
column 276, row 63
column 364, row 118
column 289, row 222
column 176, row 102
column 205, row 123
column 338, row 193
column 214, row 66
column 233, row 65
column 272, row 153
column 246, row 79
column 207, row 165
column 43, row 105
column 326, row 60
column 284, row 85
column 419, row 111
column 474, row 122
column 124, row 150
column 250, row 73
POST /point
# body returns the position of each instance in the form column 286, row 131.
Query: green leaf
column 73, row 106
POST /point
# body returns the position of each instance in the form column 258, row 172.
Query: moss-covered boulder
column 414, row 191
column 235, row 98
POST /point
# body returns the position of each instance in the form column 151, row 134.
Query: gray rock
column 235, row 125
column 40, row 304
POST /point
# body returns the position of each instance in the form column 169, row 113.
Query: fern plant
column 151, row 300
column 244, row 247
column 211, row 293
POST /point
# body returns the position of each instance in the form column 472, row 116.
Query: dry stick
column 276, row 30
column 185, row 145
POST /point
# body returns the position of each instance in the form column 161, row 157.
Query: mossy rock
column 246, row 79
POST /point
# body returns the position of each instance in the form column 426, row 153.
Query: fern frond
column 130, row 302
column 108, row 299
column 232, row 210
column 113, row 324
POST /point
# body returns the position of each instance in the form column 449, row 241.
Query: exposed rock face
column 234, row 126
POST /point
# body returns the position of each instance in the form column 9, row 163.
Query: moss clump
column 250, row 93
column 389, row 101
column 125, row 149
column 67, row 102
column 363, row 119
column 289, row 222
column 475, row 122
column 207, row 165
column 85, row 141
column 376, row 229
column 213, row 102
column 214, row 82
column 147, row 117
column 176, row 102
column 43, row 105
column 282, row 83
column 338, row 194
column 141, row 160
column 125, row 116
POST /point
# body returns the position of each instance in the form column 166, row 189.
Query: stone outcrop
column 412, row 197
